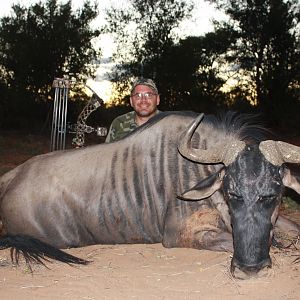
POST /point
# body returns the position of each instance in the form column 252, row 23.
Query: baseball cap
column 145, row 81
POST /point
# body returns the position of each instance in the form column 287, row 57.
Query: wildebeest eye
column 267, row 199
column 235, row 197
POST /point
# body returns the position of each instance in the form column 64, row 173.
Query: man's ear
column 130, row 99
column 157, row 100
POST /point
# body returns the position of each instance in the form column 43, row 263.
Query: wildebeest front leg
column 204, row 229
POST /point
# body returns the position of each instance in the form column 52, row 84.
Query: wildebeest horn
column 225, row 153
column 278, row 152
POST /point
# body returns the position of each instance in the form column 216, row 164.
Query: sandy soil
column 146, row 272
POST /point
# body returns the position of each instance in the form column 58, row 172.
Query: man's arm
column 121, row 126
column 110, row 135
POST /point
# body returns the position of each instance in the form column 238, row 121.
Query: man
column 144, row 99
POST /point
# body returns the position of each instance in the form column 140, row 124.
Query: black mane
column 246, row 127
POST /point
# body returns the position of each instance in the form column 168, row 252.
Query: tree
column 191, row 72
column 47, row 40
column 41, row 42
column 144, row 31
column 266, row 49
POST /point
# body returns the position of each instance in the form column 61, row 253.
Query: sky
column 198, row 24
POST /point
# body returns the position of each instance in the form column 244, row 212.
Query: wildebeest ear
column 204, row 188
column 291, row 179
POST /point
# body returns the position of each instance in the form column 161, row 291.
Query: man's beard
column 145, row 113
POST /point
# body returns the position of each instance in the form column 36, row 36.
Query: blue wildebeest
column 141, row 189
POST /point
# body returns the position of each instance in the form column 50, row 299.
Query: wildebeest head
column 252, row 182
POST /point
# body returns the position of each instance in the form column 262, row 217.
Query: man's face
column 144, row 101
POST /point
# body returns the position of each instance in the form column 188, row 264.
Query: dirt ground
column 143, row 272
column 147, row 272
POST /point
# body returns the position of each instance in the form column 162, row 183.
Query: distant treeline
column 250, row 63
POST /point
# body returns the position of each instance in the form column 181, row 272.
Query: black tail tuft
column 34, row 250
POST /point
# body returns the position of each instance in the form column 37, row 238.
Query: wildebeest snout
column 241, row 271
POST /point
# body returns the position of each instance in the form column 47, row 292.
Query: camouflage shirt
column 120, row 126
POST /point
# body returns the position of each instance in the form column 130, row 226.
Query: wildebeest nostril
column 241, row 271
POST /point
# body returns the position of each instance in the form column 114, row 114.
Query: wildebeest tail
column 34, row 250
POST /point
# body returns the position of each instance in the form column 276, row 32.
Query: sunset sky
column 199, row 24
